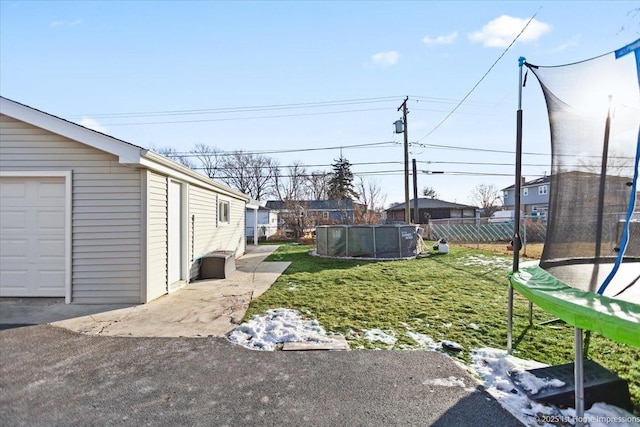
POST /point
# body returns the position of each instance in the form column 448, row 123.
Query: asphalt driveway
column 51, row 376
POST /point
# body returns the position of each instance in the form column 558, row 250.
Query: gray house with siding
column 534, row 197
column 95, row 219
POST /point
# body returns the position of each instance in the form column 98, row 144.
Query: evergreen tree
column 341, row 183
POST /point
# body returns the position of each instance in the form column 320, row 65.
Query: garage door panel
column 50, row 282
column 32, row 237
column 50, row 190
column 50, row 220
column 13, row 282
column 14, row 190
column 14, row 221
column 50, row 250
column 13, row 250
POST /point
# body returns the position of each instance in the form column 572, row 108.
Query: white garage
column 33, row 235
column 98, row 220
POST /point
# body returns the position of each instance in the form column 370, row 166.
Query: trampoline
column 589, row 272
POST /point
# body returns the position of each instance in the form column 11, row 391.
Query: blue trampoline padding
column 613, row 318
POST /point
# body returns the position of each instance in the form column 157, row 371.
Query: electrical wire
column 481, row 79
column 276, row 116
column 385, row 144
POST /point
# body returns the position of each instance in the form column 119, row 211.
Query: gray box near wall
column 217, row 265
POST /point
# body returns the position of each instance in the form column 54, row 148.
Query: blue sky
column 336, row 73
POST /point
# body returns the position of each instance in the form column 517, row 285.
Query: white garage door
column 32, row 237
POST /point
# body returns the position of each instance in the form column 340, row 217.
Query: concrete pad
column 39, row 311
column 204, row 308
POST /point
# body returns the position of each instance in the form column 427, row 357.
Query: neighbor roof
column 316, row 205
column 538, row 181
column 426, row 203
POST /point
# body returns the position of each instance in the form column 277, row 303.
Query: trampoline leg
column 578, row 373
column 509, row 318
column 530, row 313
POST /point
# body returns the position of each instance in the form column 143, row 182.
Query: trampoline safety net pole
column 578, row 374
column 516, row 218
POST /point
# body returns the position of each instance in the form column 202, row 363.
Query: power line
column 486, row 150
column 385, row 144
column 221, row 110
column 417, row 99
column 481, row 79
column 479, row 163
column 272, row 107
column 276, row 116
column 392, row 172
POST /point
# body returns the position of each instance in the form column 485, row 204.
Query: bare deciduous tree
column 235, row 171
column 487, row 197
column 250, row 173
column 318, row 185
column 209, row 158
column 292, row 184
column 173, row 154
column 372, row 199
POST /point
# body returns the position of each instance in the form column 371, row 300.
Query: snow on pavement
column 275, row 327
column 495, row 367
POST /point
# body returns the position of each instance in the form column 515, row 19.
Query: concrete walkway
column 202, row 308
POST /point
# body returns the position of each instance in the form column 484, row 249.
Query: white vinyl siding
column 207, row 235
column 106, row 209
column 156, row 235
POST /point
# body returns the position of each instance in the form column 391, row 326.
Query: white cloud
column 90, row 123
column 448, row 39
column 501, row 31
column 386, row 58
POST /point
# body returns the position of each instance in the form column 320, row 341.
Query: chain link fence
column 480, row 230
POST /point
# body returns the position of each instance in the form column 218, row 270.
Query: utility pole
column 403, row 107
column 416, row 216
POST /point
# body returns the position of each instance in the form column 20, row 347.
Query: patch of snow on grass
column 487, row 261
column 379, row 335
column 277, row 326
column 424, row 341
column 474, row 326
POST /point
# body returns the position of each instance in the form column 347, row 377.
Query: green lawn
column 460, row 296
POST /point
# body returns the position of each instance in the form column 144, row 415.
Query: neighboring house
column 431, row 209
column 266, row 224
column 534, row 197
column 319, row 211
column 95, row 219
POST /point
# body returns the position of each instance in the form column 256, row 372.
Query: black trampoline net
column 594, row 117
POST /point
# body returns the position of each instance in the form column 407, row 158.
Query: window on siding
column 542, row 190
column 223, row 212
column 506, row 194
column 525, row 191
